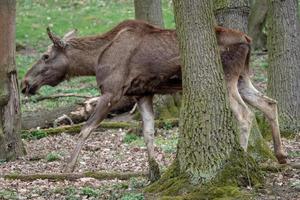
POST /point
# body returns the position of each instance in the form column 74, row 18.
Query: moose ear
column 69, row 35
column 57, row 42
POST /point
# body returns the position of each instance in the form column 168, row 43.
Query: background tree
column 232, row 13
column 284, row 58
column 208, row 142
column 235, row 14
column 10, row 115
column 166, row 106
column 149, row 10
column 257, row 21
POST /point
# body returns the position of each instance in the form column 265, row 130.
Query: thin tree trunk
column 257, row 20
column 284, row 62
column 233, row 13
column 149, row 10
column 10, row 115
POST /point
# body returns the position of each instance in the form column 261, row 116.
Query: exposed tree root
column 74, row 176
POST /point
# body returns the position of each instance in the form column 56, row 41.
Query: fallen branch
column 74, row 129
column 55, row 96
column 74, row 176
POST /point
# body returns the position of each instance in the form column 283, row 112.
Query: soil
column 106, row 150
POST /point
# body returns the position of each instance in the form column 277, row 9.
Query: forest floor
column 106, row 150
column 118, row 151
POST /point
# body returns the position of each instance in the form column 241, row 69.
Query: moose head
column 51, row 68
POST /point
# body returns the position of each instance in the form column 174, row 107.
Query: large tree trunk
column 257, row 20
column 208, row 141
column 10, row 115
column 284, row 62
column 239, row 10
column 205, row 109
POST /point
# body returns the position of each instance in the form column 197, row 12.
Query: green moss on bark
column 239, row 171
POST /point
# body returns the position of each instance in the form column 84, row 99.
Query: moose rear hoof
column 282, row 158
column 154, row 173
column 69, row 168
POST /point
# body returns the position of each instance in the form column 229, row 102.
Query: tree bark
column 232, row 13
column 284, row 58
column 238, row 10
column 257, row 21
column 208, row 144
column 10, row 115
column 149, row 10
column 205, row 109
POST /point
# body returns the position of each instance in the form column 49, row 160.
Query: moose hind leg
column 105, row 102
column 145, row 105
column 241, row 112
column 269, row 107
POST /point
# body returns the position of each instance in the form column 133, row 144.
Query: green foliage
column 53, row 156
column 90, row 192
column 294, row 154
column 168, row 145
column 136, row 183
column 8, row 194
column 168, row 126
column 264, row 64
column 33, row 135
column 70, row 193
column 2, row 161
column 133, row 196
column 129, row 138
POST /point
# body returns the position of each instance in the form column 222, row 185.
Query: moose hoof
column 281, row 157
column 69, row 168
column 154, row 173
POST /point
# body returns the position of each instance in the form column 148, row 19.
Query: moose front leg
column 105, row 102
column 145, row 105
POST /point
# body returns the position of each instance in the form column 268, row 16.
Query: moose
column 138, row 59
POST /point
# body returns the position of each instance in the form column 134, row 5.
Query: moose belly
column 154, row 85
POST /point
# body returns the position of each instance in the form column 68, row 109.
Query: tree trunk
column 257, row 20
column 208, row 141
column 232, row 13
column 149, row 10
column 205, row 109
column 284, row 62
column 10, row 115
column 257, row 145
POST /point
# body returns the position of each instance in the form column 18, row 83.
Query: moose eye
column 45, row 57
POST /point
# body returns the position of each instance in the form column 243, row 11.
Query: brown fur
column 138, row 59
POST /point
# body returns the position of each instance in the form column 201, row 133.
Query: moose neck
column 83, row 55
